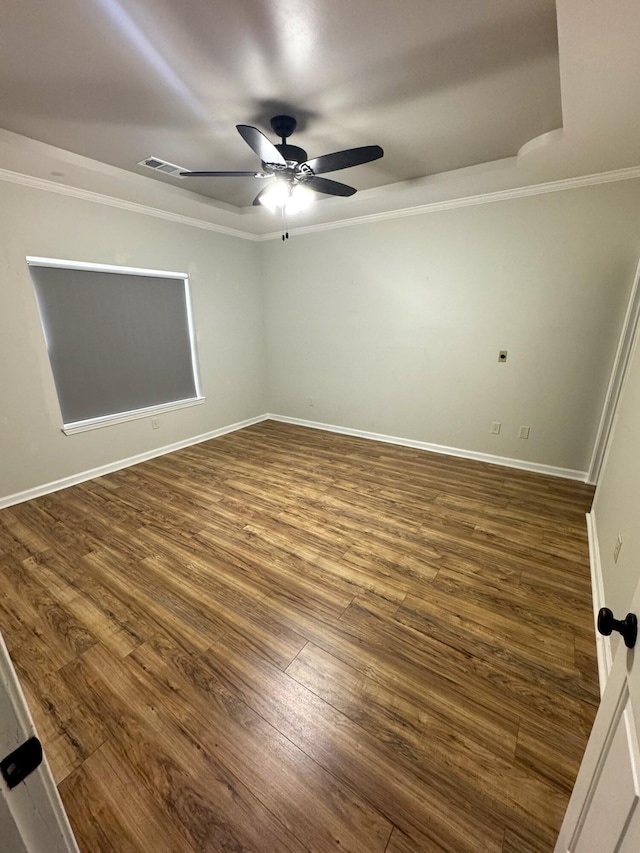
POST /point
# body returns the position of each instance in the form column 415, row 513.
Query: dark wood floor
column 289, row 640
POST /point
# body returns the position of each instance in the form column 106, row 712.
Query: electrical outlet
column 524, row 432
column 311, row 401
column 502, row 356
column 495, row 428
column 155, row 423
column 616, row 550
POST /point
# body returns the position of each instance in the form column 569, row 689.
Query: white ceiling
column 441, row 85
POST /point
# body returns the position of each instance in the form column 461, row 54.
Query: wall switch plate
column 155, row 423
column 616, row 550
column 495, row 428
column 311, row 401
column 502, row 356
column 524, row 432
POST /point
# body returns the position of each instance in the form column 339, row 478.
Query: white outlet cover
column 616, row 550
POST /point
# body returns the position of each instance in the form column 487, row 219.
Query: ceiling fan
column 294, row 175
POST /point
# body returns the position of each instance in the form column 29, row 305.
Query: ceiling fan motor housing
column 292, row 153
column 283, row 126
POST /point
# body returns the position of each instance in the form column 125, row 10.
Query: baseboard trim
column 603, row 644
column 521, row 464
column 83, row 476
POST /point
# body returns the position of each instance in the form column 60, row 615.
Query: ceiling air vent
column 159, row 165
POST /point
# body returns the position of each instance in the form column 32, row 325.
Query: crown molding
column 122, row 204
column 629, row 173
column 626, row 174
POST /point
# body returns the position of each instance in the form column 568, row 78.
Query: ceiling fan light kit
column 282, row 195
column 293, row 177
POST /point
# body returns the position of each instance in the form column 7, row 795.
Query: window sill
column 123, row 417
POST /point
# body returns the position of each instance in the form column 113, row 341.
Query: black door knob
column 628, row 626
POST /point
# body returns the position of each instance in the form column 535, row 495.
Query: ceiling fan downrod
column 283, row 126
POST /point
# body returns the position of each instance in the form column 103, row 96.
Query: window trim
column 74, row 427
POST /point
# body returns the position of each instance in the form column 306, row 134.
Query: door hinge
column 22, row 761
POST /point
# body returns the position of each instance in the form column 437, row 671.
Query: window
column 120, row 340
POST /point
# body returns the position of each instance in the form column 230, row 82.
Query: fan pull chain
column 285, row 231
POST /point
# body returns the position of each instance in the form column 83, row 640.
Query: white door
column 603, row 815
column 32, row 818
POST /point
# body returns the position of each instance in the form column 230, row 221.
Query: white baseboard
column 83, row 476
column 521, row 464
column 603, row 644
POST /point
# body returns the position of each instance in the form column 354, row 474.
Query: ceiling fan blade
column 344, row 159
column 323, row 185
column 257, row 141
column 221, row 174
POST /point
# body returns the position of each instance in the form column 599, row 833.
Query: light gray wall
column 391, row 327
column 395, row 327
column 616, row 508
column 228, row 312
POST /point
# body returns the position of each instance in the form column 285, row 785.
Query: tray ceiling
column 440, row 85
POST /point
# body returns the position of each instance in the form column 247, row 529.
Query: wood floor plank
column 285, row 640
column 63, row 722
column 505, row 593
column 94, row 822
column 552, row 753
column 403, row 724
column 202, row 798
column 499, row 687
column 391, row 654
column 547, row 654
column 351, row 752
column 316, row 807
column 104, row 625
column 105, row 782
column 35, row 607
column 400, row 842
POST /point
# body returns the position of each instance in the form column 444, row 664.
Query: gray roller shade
column 117, row 342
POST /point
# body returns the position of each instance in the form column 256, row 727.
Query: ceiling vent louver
column 159, row 165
